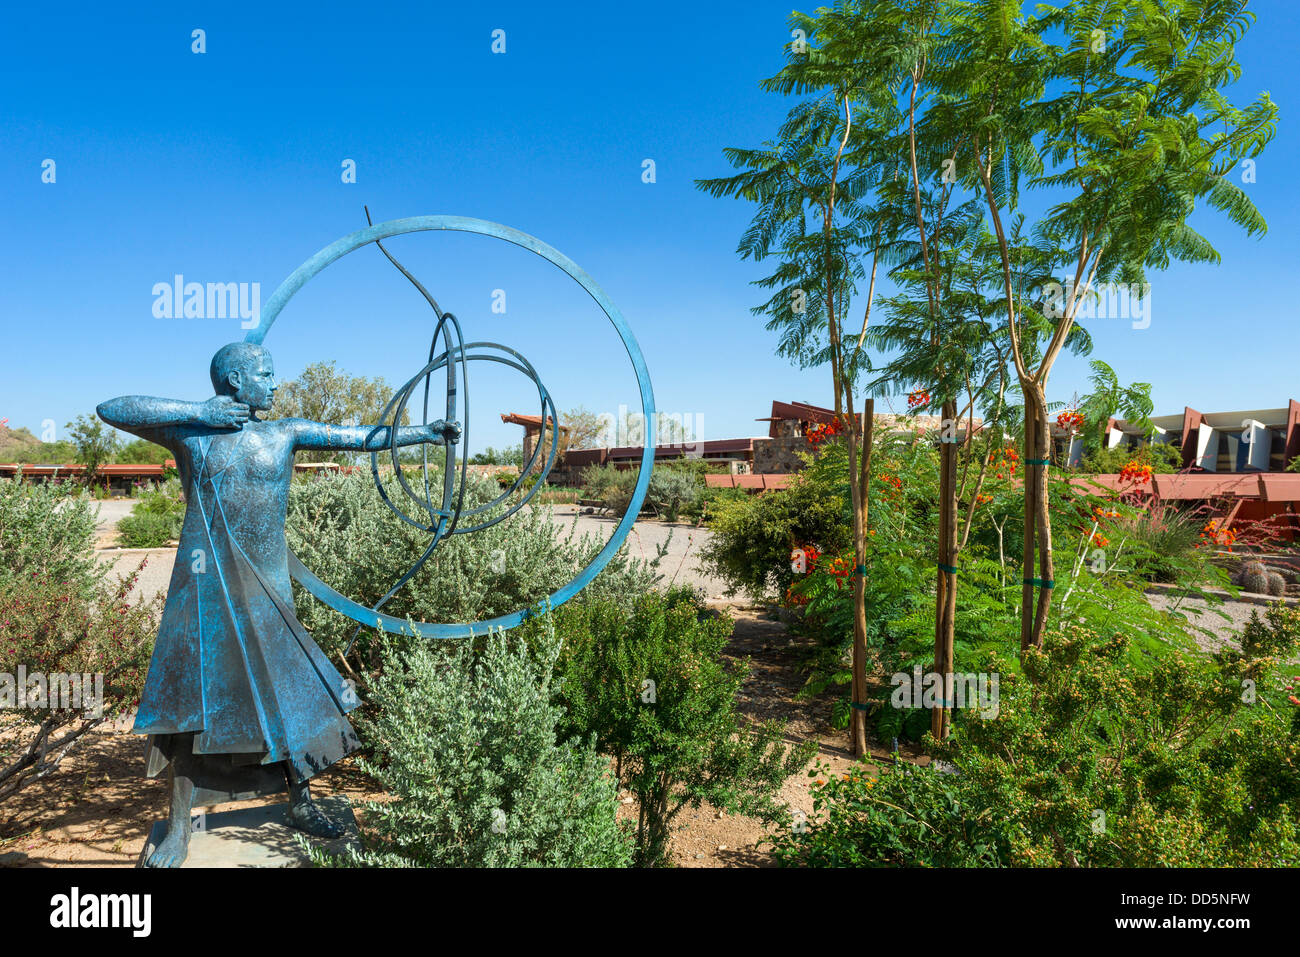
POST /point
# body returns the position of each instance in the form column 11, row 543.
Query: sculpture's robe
column 232, row 664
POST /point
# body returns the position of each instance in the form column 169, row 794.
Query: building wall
column 779, row 455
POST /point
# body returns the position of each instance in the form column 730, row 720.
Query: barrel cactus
column 1253, row 577
column 1276, row 585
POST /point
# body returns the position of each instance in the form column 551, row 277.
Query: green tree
column 324, row 393
column 1119, row 109
column 587, row 430
column 510, row 455
column 142, row 452
column 94, row 441
column 813, row 220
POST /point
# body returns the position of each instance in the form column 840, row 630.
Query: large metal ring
column 398, row 227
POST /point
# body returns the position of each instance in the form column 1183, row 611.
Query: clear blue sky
column 225, row 167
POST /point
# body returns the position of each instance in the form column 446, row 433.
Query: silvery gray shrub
column 466, row 743
column 341, row 529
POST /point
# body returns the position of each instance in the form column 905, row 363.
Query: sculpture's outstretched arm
column 147, row 416
column 322, row 437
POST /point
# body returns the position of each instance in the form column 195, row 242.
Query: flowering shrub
column 918, row 399
column 1212, row 534
column 1004, row 462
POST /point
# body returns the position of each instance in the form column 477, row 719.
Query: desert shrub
column 654, row 690
column 907, row 817
column 672, row 490
column 1163, row 544
column 156, row 518
column 596, row 480
column 59, row 617
column 705, row 507
column 147, row 531
column 467, row 744
column 1271, row 635
column 48, row 530
column 343, row 532
column 1090, row 761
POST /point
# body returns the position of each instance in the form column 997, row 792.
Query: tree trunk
column 945, row 604
column 859, row 486
column 1046, row 560
column 1038, row 521
column 1031, row 515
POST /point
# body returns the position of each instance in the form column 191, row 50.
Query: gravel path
column 646, row 539
column 110, row 512
column 1200, row 613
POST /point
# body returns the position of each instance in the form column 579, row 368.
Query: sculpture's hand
column 447, row 431
column 223, row 412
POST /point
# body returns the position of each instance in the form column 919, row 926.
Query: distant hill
column 18, row 445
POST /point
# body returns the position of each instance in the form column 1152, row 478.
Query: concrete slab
column 257, row 836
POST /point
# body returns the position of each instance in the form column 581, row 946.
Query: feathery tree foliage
column 920, row 125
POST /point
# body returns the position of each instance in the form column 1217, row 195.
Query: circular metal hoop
column 398, row 227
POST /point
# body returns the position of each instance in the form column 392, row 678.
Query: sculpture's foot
column 173, row 850
column 306, row 816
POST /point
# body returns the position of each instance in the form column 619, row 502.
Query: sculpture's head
column 244, row 370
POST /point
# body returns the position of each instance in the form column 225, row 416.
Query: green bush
column 596, row 480
column 1163, row 545
column 754, row 536
column 672, row 490
column 1162, row 457
column 49, row 531
column 706, row 506
column 654, row 690
column 466, row 742
column 59, row 614
column 907, row 817
column 1091, row 761
column 147, row 530
column 156, row 518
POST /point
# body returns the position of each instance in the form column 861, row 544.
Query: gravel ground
column 110, row 511
column 646, row 538
column 1202, row 614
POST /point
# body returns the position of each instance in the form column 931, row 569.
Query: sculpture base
column 257, row 836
